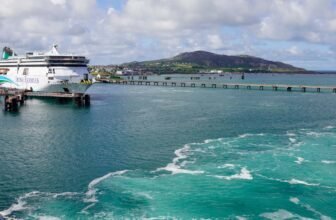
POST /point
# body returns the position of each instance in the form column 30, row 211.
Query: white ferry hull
column 70, row 88
column 46, row 72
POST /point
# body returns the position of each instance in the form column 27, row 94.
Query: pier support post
column 261, row 87
column 214, row 86
column 203, row 85
column 318, row 90
column 289, row 89
column 11, row 104
column 275, row 88
column 87, row 100
column 334, row 90
column 304, row 89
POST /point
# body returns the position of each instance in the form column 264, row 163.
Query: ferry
column 45, row 72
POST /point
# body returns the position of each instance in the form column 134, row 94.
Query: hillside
column 202, row 61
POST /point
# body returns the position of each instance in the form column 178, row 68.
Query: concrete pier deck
column 248, row 86
column 13, row 98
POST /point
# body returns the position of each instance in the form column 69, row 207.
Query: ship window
column 49, row 71
column 50, row 78
column 25, row 71
column 53, row 70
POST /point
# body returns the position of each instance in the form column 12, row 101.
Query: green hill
column 204, row 61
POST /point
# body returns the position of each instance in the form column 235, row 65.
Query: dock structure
column 247, row 86
column 14, row 98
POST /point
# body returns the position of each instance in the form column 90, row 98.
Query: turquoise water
column 171, row 153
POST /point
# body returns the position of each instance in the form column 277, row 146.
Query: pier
column 15, row 98
column 219, row 85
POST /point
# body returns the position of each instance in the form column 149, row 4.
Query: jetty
column 15, row 98
column 247, row 86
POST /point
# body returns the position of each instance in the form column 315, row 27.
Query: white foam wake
column 176, row 167
column 295, row 182
column 292, row 181
column 19, row 205
column 251, row 135
column 328, row 161
column 227, row 165
column 91, row 193
column 299, row 160
column 329, row 127
column 292, row 140
column 297, row 201
column 244, row 174
column 281, row 214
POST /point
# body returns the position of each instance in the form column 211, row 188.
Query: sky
column 298, row 32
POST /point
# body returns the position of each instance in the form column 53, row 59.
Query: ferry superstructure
column 45, row 72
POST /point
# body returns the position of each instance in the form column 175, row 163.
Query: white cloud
column 307, row 20
column 148, row 29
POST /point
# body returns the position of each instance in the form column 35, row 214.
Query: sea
column 145, row 152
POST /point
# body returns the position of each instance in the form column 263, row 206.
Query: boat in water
column 45, row 72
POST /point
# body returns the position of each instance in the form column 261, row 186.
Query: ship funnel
column 6, row 53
